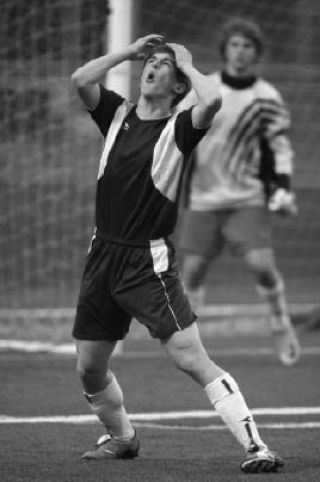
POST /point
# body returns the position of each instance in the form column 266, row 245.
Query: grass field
column 181, row 438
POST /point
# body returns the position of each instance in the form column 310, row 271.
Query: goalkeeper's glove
column 283, row 202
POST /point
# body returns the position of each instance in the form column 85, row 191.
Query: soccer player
column 241, row 171
column 131, row 269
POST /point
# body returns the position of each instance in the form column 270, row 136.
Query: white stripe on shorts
column 159, row 253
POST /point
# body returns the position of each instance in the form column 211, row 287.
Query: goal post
column 120, row 35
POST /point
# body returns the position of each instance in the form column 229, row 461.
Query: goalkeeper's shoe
column 110, row 448
column 261, row 459
column 286, row 342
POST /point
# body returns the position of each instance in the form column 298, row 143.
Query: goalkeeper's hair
column 241, row 26
column 181, row 77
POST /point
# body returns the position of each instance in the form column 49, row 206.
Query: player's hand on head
column 283, row 202
column 141, row 47
column 182, row 54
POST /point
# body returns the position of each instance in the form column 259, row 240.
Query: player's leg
column 194, row 270
column 186, row 350
column 200, row 242
column 249, row 234
column 104, row 395
column 271, row 287
column 99, row 323
column 160, row 303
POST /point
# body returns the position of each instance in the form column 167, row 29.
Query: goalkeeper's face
column 240, row 55
column 159, row 77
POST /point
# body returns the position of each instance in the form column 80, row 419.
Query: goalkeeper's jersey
column 228, row 170
column 141, row 169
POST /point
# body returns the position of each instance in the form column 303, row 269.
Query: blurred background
column 50, row 148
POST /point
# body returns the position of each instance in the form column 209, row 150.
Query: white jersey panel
column 167, row 162
column 159, row 253
column 115, row 126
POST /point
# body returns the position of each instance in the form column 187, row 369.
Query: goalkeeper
column 241, row 172
column 131, row 269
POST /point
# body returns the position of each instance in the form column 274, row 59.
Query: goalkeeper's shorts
column 242, row 229
column 124, row 281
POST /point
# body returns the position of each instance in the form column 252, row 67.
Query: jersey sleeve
column 187, row 136
column 104, row 112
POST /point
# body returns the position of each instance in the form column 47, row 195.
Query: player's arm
column 208, row 99
column 86, row 78
column 283, row 199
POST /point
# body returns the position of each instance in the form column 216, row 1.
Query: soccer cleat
column 259, row 460
column 109, row 448
column 287, row 345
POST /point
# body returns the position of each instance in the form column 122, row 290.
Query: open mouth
column 150, row 77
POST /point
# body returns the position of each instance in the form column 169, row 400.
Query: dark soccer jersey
column 141, row 169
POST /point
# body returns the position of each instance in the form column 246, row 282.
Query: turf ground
column 181, row 438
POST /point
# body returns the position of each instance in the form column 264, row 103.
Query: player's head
column 160, row 71
column 241, row 34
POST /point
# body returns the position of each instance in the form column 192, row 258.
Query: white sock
column 225, row 396
column 109, row 408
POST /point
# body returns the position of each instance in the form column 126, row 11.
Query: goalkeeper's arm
column 282, row 199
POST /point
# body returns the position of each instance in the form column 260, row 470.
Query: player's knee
column 186, row 362
column 263, row 268
column 267, row 276
column 188, row 358
column 90, row 373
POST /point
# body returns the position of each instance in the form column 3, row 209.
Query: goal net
column 50, row 148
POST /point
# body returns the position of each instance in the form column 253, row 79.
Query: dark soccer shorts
column 123, row 281
column 242, row 229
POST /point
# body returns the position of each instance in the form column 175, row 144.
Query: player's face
column 240, row 55
column 158, row 77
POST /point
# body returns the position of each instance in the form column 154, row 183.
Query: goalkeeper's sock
column 108, row 406
column 225, row 396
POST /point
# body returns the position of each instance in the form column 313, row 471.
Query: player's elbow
column 78, row 79
column 209, row 106
column 213, row 102
column 204, row 112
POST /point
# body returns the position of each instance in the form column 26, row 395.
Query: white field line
column 212, row 310
column 272, row 426
column 69, row 349
column 37, row 346
column 81, row 420
column 160, row 416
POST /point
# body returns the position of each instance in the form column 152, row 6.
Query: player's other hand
column 139, row 49
column 283, row 202
column 183, row 55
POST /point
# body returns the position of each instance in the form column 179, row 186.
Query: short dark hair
column 181, row 77
column 242, row 26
